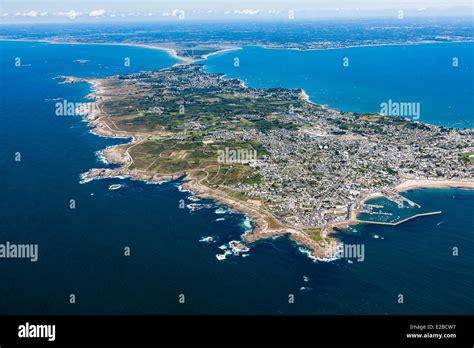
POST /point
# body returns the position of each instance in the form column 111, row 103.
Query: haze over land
column 147, row 10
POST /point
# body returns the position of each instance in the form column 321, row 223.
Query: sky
column 20, row 11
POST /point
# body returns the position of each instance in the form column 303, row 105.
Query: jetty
column 401, row 221
column 399, row 199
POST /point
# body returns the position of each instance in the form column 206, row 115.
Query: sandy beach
column 205, row 56
column 426, row 183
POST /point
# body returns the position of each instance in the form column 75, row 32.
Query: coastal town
column 292, row 166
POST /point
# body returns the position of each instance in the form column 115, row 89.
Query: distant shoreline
column 188, row 60
column 408, row 43
column 171, row 51
column 224, row 50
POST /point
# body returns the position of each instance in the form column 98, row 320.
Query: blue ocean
column 437, row 76
column 81, row 250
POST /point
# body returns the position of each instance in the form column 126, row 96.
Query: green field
column 467, row 157
column 169, row 156
column 314, row 234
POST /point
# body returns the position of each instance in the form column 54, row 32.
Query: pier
column 372, row 206
column 380, row 213
column 399, row 199
column 401, row 221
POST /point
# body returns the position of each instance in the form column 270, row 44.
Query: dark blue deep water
column 81, row 251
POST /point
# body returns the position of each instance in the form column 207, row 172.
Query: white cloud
column 249, row 12
column 175, row 13
column 70, row 14
column 97, row 13
column 31, row 13
column 273, row 11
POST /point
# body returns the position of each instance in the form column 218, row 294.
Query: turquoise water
column 412, row 74
column 81, row 250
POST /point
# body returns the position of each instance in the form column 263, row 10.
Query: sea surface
column 81, row 250
column 437, row 77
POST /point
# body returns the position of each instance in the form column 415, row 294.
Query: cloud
column 70, row 14
column 249, row 12
column 31, row 13
column 97, row 13
column 175, row 13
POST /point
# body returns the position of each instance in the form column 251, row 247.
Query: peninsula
column 294, row 167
